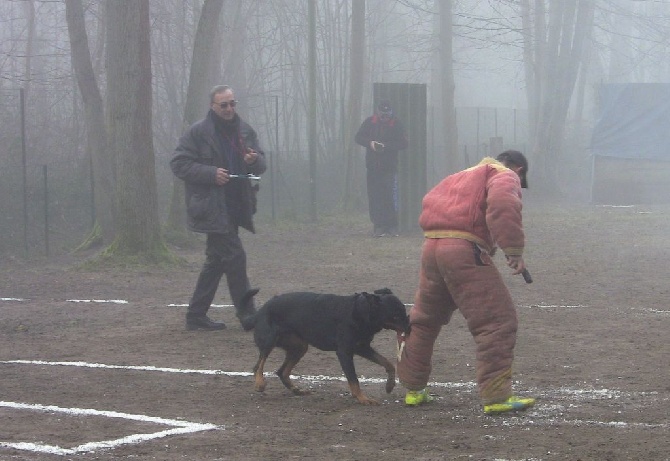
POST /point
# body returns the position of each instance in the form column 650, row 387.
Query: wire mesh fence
column 46, row 205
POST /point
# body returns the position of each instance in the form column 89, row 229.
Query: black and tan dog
column 344, row 324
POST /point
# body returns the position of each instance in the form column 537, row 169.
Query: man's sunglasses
column 224, row 105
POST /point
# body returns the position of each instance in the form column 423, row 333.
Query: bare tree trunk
column 557, row 60
column 199, row 84
column 312, row 140
column 30, row 45
column 235, row 70
column 530, row 39
column 102, row 164
column 448, row 86
column 353, row 188
column 129, row 103
column 621, row 46
column 584, row 70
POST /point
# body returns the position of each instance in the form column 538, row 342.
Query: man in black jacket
column 382, row 135
column 212, row 158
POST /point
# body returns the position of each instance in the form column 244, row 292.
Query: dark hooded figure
column 383, row 136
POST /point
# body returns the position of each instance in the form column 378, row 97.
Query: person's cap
column 517, row 158
column 384, row 106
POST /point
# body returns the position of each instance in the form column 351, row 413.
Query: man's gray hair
column 218, row 89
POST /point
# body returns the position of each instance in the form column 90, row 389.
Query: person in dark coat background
column 212, row 158
column 383, row 136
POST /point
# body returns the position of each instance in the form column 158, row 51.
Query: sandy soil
column 593, row 348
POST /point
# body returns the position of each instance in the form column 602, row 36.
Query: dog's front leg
column 374, row 356
column 347, row 362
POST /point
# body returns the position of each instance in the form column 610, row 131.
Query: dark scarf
column 230, row 142
column 231, row 145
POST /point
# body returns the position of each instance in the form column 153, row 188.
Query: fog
column 529, row 77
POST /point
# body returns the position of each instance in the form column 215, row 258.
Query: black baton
column 524, row 273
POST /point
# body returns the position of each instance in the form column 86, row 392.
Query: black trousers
column 382, row 198
column 224, row 255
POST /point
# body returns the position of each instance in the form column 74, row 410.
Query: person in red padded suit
column 464, row 218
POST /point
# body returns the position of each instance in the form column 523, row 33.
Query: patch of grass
column 116, row 257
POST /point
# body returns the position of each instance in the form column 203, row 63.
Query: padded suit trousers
column 224, row 255
column 454, row 275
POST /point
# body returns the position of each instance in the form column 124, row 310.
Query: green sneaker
column 417, row 397
column 513, row 403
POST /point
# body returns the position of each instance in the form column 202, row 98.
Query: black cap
column 516, row 158
column 384, row 105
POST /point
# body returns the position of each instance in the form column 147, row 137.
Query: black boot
column 202, row 322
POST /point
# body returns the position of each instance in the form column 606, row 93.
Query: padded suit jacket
column 391, row 133
column 195, row 161
column 481, row 204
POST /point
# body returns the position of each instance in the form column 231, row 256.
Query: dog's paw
column 390, row 384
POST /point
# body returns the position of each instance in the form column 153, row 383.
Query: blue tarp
column 634, row 121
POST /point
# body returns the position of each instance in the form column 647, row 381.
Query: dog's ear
column 383, row 291
column 367, row 309
column 361, row 312
column 363, row 307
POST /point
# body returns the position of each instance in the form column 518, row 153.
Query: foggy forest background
column 94, row 95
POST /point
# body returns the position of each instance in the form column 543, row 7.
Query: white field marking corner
column 542, row 414
column 579, row 394
column 178, row 427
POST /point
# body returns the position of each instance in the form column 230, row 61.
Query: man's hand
column 250, row 157
column 376, row 146
column 517, row 263
column 222, row 176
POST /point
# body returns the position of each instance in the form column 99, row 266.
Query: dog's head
column 382, row 309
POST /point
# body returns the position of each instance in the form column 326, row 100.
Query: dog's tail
column 248, row 320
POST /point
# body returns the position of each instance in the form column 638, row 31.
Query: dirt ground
column 98, row 365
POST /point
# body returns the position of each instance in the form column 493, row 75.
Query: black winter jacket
column 391, row 133
column 195, row 161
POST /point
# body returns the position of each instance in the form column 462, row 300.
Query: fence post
column 25, row 173
column 273, row 167
column 46, row 210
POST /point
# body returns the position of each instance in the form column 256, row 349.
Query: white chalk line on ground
column 555, row 306
column 178, row 427
column 655, row 311
column 112, row 301
column 218, row 306
column 311, row 378
column 541, row 414
column 123, row 301
column 213, row 305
